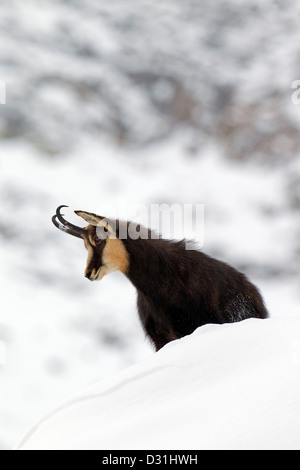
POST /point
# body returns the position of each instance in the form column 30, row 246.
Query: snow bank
column 233, row 386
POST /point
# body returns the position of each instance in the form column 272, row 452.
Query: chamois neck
column 152, row 263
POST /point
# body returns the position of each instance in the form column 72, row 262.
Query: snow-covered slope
column 234, row 386
column 223, row 70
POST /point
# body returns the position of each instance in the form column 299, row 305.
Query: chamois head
column 106, row 253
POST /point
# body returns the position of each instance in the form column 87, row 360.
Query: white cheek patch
column 115, row 257
column 101, row 273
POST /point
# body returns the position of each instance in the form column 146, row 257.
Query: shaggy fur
column 180, row 290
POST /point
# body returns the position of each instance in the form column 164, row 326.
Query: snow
column 111, row 106
column 62, row 333
column 234, row 386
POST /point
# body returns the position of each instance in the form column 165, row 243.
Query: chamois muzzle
column 65, row 226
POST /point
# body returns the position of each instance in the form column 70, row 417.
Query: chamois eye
column 97, row 240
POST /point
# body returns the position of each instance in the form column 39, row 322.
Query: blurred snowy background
column 137, row 102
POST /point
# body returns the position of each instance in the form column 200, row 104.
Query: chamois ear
column 92, row 219
column 97, row 221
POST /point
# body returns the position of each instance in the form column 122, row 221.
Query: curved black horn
column 66, row 226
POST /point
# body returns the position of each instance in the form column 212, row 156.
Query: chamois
column 178, row 289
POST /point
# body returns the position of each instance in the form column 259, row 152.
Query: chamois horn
column 66, row 226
